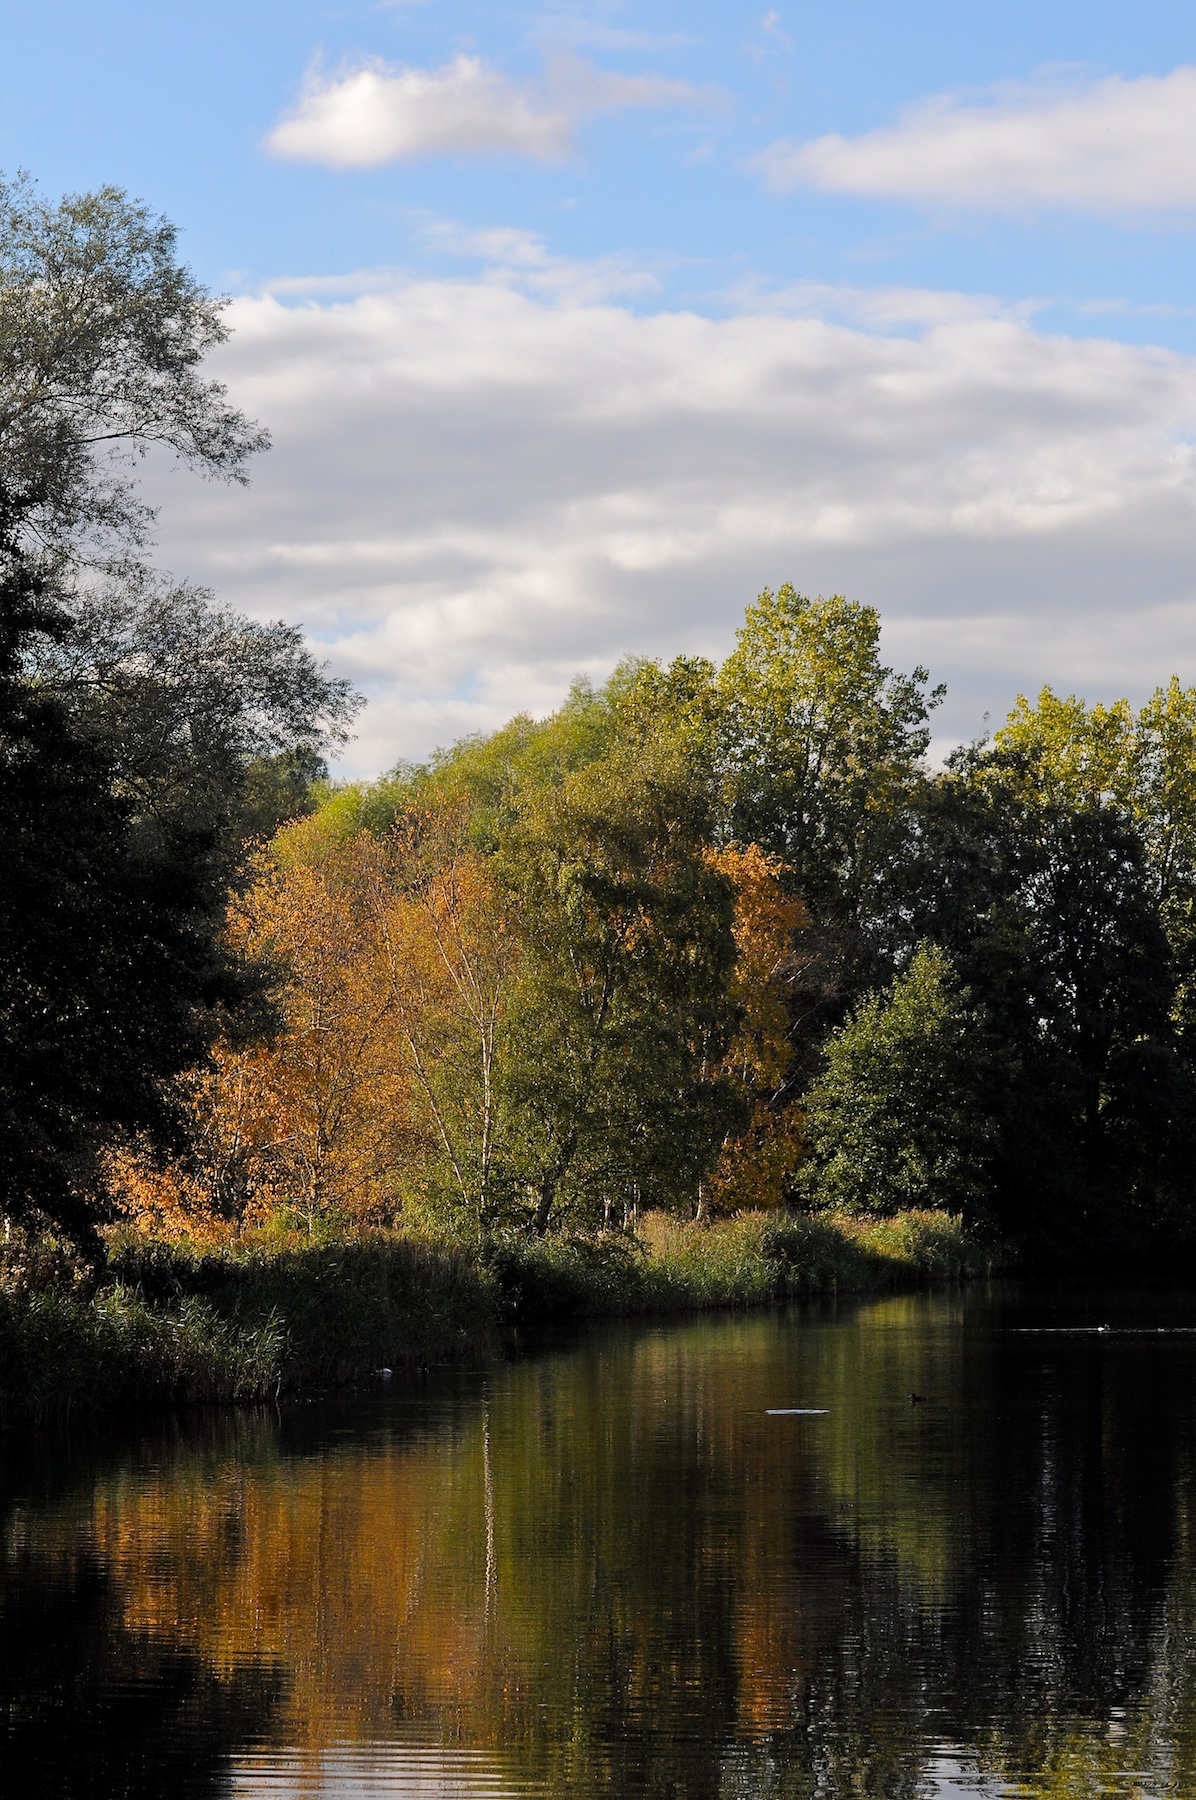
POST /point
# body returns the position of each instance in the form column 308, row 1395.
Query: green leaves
column 819, row 742
column 624, row 1011
column 102, row 331
column 900, row 1116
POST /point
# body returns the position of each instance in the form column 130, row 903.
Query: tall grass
column 59, row 1351
column 344, row 1307
column 755, row 1259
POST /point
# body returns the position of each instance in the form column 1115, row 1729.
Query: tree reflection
column 611, row 1571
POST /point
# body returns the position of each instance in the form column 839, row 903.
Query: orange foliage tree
column 754, row 1166
column 445, row 953
column 378, row 1097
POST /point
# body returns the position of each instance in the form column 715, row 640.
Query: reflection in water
column 726, row 1559
column 350, row 1772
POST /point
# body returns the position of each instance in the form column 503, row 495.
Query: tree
column 211, row 722
column 1042, row 893
column 142, row 729
column 899, row 1116
column 756, row 1165
column 319, row 1125
column 1144, row 766
column 102, row 337
column 447, row 954
column 102, row 334
column 112, row 978
column 622, row 1017
column 820, row 743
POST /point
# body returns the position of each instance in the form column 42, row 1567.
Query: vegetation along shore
column 710, row 988
column 168, row 1325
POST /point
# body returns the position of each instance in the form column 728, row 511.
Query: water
column 631, row 1566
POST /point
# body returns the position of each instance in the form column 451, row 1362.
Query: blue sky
column 575, row 326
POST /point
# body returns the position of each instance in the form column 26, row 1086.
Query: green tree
column 820, row 744
column 112, row 976
column 1144, row 765
column 102, row 334
column 899, row 1116
column 213, row 725
column 1046, row 902
column 623, row 1015
column 144, row 732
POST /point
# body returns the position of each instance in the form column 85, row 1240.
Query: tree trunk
column 547, row 1194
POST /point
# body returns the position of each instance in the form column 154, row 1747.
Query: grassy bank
column 170, row 1325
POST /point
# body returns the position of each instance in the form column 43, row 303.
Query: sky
column 576, row 327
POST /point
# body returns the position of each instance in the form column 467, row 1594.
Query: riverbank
column 171, row 1325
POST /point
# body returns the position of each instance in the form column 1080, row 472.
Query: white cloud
column 477, row 490
column 1113, row 146
column 377, row 113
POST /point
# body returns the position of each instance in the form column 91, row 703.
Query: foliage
column 899, row 1117
column 622, row 1018
column 214, row 726
column 819, row 741
column 113, row 973
column 342, row 1308
column 755, row 1165
column 172, row 1325
column 144, row 732
column 713, row 940
column 57, row 1351
column 102, row 332
column 1051, row 913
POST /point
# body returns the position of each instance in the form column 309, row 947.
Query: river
column 628, row 1565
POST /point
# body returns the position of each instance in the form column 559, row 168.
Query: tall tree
column 1047, row 905
column 112, row 977
column 623, row 1016
column 820, row 743
column 142, row 729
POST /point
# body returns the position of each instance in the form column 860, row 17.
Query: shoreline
column 168, row 1325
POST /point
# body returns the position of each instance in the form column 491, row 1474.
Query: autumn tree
column 446, row 953
column 756, row 1165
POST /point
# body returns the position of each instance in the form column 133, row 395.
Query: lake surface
column 610, row 1569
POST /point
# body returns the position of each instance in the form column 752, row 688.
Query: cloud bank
column 377, row 113
column 478, row 490
column 1114, row 146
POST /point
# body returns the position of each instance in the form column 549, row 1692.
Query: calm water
column 609, row 1570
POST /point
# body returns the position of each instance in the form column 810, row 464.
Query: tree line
column 710, row 937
